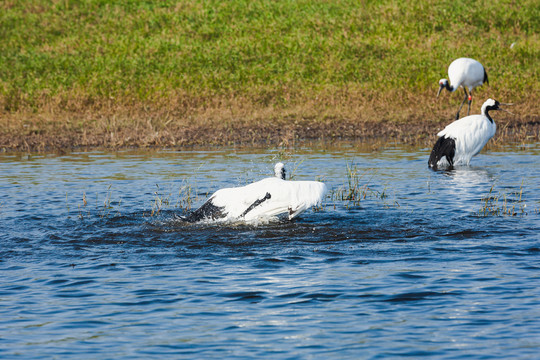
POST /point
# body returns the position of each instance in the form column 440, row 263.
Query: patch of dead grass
column 67, row 122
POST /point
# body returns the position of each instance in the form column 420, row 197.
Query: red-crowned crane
column 464, row 138
column 467, row 73
column 262, row 199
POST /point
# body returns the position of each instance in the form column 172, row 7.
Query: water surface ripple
column 91, row 269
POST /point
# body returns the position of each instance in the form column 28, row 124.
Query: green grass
column 271, row 52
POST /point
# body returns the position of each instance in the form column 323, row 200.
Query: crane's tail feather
column 444, row 147
column 207, row 211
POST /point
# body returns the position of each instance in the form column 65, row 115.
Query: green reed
column 503, row 203
column 357, row 187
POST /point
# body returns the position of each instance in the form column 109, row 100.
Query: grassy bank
column 140, row 73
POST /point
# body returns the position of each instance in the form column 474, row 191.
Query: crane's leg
column 463, row 102
column 470, row 101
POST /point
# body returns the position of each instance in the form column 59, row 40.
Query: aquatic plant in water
column 356, row 188
column 503, row 204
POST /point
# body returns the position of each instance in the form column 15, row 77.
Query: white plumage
column 265, row 198
column 464, row 138
column 467, row 73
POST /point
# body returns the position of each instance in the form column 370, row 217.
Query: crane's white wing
column 471, row 134
column 289, row 197
column 269, row 197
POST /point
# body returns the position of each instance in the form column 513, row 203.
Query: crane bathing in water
column 265, row 198
column 467, row 73
column 464, row 138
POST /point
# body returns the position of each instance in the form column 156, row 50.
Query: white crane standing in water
column 265, row 198
column 467, row 73
column 464, row 138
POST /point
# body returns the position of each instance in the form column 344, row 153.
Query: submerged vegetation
column 187, row 196
column 356, row 188
column 172, row 73
column 352, row 188
column 359, row 187
column 503, row 204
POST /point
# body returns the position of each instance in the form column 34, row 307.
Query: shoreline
column 56, row 137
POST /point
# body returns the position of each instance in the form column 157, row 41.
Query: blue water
column 93, row 264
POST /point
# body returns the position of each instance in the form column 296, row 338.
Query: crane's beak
column 505, row 109
column 441, row 86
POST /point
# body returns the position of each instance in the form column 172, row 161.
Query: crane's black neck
column 489, row 108
column 448, row 87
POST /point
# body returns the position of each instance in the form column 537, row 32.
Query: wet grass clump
column 503, row 203
column 112, row 204
column 103, row 209
column 185, row 199
column 357, row 188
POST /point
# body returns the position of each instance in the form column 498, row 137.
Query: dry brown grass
column 67, row 122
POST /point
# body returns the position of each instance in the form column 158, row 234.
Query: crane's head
column 443, row 83
column 491, row 104
column 279, row 170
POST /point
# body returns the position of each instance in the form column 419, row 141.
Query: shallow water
column 94, row 265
